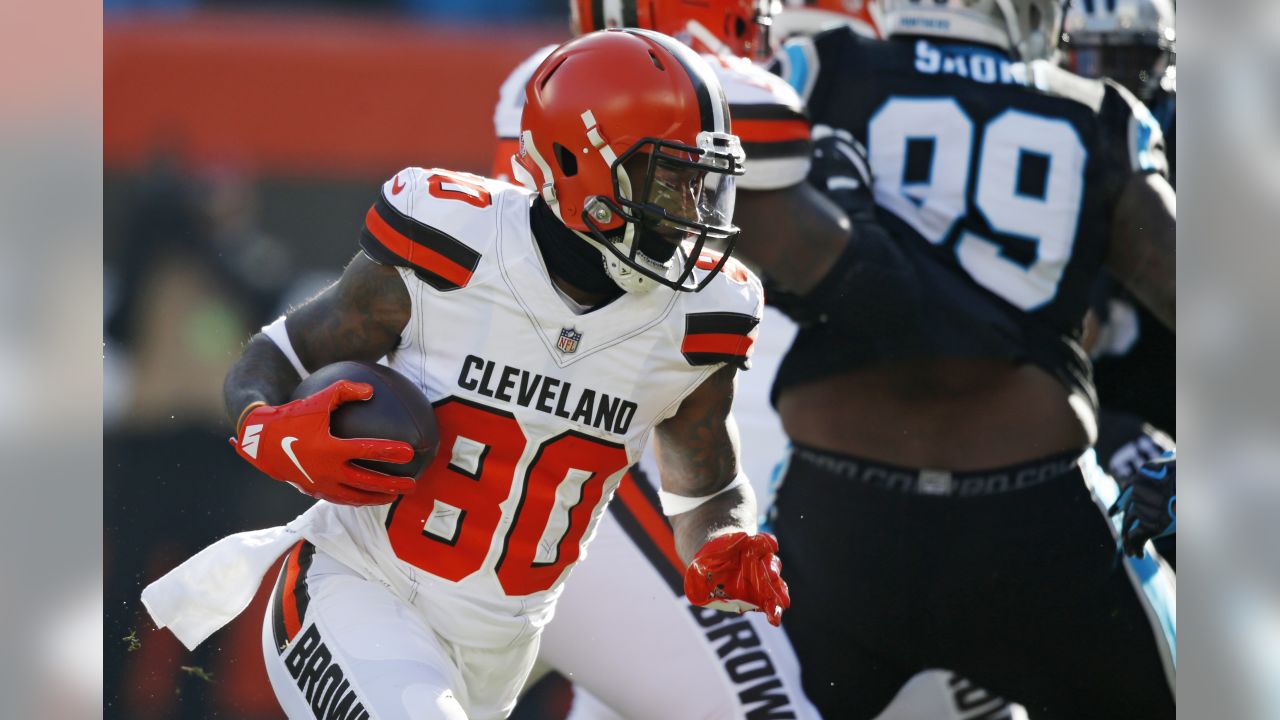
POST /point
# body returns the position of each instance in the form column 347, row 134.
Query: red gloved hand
column 292, row 443
column 739, row 572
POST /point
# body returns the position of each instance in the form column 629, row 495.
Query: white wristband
column 280, row 336
column 673, row 504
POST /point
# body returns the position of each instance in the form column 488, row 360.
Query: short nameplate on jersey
column 975, row 63
column 568, row 341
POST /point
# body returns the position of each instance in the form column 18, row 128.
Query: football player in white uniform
column 697, row 663
column 548, row 369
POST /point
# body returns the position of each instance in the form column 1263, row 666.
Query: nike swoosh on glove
column 1149, row 504
column 292, row 443
column 739, row 572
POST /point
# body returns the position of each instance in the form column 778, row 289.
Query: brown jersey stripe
column 719, row 323
column 291, row 596
column 764, row 111
column 277, row 610
column 289, row 605
column 738, row 361
column 773, row 150
column 707, row 97
column 427, row 236
column 301, row 590
column 637, row 510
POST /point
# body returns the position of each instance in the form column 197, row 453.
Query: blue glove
column 1150, row 505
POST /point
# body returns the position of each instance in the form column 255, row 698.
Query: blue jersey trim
column 797, row 67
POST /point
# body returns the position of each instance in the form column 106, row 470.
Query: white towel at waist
column 216, row 584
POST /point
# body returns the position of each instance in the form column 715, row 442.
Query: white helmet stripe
column 548, row 188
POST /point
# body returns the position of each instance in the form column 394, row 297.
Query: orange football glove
column 739, row 572
column 292, row 443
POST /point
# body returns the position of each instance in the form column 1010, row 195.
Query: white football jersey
column 765, row 113
column 541, row 410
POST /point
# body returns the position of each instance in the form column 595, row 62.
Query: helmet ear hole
column 565, row 158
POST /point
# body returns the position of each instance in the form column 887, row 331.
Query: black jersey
column 1001, row 174
column 1138, row 374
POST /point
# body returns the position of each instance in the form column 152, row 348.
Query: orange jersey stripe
column 720, row 343
column 292, row 623
column 655, row 526
column 416, row 254
column 762, row 131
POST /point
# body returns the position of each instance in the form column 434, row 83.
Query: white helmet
column 1121, row 22
column 1030, row 29
column 1130, row 41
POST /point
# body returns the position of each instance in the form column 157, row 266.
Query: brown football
column 398, row 410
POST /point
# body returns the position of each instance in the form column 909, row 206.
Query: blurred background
column 243, row 142
column 240, row 144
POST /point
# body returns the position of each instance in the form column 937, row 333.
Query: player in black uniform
column 936, row 511
column 1131, row 42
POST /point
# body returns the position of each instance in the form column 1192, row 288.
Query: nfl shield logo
column 568, row 341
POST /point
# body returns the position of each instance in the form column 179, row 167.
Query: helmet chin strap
column 625, row 276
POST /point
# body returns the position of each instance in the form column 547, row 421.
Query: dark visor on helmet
column 679, row 199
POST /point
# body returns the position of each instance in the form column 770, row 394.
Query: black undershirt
column 568, row 256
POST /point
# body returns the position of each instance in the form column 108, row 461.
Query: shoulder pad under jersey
column 439, row 223
column 799, row 61
column 506, row 116
column 1141, row 136
column 767, row 115
column 722, row 320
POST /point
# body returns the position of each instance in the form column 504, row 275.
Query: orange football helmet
column 735, row 27
column 625, row 134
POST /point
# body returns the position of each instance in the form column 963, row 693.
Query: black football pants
column 1018, row 591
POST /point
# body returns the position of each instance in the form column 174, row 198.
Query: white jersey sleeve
column 769, row 118
column 722, row 321
column 419, row 217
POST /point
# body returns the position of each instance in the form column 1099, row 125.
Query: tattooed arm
column 357, row 318
column 1143, row 254
column 697, row 452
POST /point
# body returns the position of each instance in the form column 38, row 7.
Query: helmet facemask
column 673, row 200
column 1139, row 68
column 1131, row 42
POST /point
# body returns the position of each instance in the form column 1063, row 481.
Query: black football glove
column 1150, row 505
